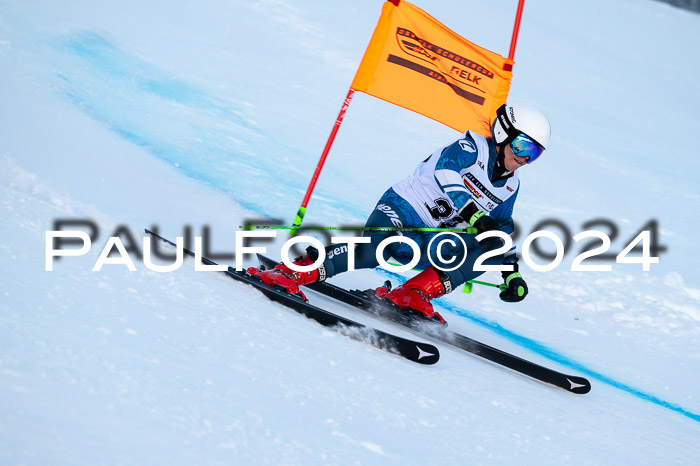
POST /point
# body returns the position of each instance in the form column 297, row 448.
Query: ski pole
column 469, row 230
column 468, row 285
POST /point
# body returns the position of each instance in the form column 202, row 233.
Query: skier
column 472, row 180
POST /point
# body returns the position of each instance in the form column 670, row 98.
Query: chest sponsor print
column 471, row 182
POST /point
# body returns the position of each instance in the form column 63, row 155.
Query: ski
column 369, row 302
column 422, row 353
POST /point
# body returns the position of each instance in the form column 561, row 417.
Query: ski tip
column 426, row 354
column 578, row 385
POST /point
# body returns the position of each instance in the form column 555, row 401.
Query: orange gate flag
column 416, row 62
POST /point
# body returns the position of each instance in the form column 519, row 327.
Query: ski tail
column 420, row 352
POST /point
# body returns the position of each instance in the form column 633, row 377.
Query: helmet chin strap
column 499, row 168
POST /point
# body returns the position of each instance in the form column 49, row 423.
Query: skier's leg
column 442, row 273
column 392, row 211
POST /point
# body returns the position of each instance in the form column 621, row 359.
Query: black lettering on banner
column 436, row 76
column 464, row 74
column 437, row 50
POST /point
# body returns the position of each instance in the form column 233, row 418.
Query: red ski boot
column 416, row 293
column 288, row 279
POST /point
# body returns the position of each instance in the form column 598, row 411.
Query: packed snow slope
column 170, row 114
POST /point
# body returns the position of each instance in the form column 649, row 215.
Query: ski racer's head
column 521, row 133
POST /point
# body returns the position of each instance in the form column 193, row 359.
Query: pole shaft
column 516, row 29
column 322, row 160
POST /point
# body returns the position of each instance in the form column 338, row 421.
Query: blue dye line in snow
column 171, row 119
column 553, row 355
column 119, row 66
column 206, row 136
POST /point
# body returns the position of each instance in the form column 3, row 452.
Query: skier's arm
column 503, row 214
column 455, row 157
column 516, row 287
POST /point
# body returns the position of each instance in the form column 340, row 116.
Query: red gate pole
column 322, row 160
column 516, row 29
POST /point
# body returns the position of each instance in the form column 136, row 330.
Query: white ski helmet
column 518, row 118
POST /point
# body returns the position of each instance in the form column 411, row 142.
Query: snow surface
column 173, row 114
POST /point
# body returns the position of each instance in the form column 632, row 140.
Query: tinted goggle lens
column 523, row 146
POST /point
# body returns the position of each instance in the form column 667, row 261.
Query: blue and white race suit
column 432, row 196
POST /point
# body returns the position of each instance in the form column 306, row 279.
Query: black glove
column 485, row 223
column 515, row 288
column 477, row 218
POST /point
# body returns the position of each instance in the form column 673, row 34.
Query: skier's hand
column 515, row 288
column 484, row 223
column 477, row 218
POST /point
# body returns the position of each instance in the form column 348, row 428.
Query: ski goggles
column 523, row 146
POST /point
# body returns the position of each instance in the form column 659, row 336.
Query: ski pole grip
column 297, row 221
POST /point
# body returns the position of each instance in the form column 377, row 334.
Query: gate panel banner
column 416, row 62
